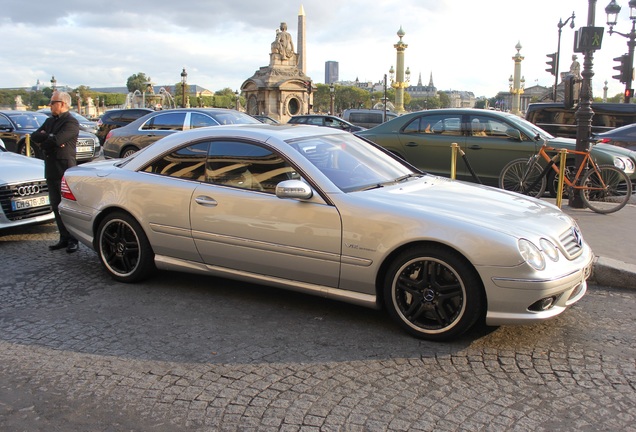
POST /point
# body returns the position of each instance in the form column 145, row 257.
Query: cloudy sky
column 465, row 44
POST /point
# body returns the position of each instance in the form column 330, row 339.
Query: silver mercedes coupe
column 324, row 212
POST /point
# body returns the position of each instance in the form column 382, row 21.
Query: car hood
column 15, row 168
column 468, row 204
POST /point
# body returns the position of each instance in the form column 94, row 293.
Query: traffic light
column 551, row 63
column 624, row 68
column 629, row 93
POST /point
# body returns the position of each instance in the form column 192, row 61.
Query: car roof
column 257, row 131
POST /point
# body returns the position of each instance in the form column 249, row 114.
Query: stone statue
column 283, row 45
column 575, row 68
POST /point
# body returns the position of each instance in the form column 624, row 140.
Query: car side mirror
column 294, row 189
column 513, row 133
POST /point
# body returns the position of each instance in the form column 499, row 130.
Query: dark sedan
column 85, row 124
column 325, row 120
column 129, row 139
column 624, row 136
column 16, row 125
column 116, row 118
column 489, row 139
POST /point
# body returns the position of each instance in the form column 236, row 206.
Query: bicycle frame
column 587, row 160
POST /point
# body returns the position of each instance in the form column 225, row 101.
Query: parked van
column 367, row 117
column 561, row 122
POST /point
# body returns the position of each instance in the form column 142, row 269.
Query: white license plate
column 25, row 203
column 84, row 149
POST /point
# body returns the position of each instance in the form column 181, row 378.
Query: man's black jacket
column 57, row 138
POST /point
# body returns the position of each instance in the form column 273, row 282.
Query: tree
column 444, row 100
column 137, row 81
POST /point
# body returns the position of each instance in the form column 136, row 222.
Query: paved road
column 79, row 352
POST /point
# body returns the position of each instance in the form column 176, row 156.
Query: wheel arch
column 107, row 212
column 382, row 271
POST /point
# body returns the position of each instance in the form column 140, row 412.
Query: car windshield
column 29, row 120
column 525, row 124
column 233, row 117
column 351, row 163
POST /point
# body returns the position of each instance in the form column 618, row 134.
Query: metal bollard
column 27, row 143
column 454, row 149
column 562, row 163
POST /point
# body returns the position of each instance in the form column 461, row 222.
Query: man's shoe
column 72, row 247
column 59, row 245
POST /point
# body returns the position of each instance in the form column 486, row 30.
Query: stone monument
column 279, row 90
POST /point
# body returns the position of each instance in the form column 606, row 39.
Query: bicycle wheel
column 609, row 198
column 520, row 174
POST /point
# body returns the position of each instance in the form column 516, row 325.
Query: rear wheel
column 433, row 293
column 521, row 175
column 124, row 249
column 35, row 150
column 128, row 151
column 611, row 197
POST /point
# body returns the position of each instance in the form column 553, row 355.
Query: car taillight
column 66, row 191
column 604, row 141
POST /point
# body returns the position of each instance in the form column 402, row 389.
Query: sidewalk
column 613, row 240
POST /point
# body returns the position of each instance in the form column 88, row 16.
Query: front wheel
column 607, row 190
column 124, row 249
column 523, row 176
column 433, row 293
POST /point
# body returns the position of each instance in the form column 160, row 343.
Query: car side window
column 435, row 124
column 168, row 121
column 186, row 163
column 247, row 166
column 4, row 122
column 492, row 128
column 315, row 121
column 198, row 120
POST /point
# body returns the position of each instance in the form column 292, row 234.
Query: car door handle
column 205, row 201
column 411, row 144
column 475, row 147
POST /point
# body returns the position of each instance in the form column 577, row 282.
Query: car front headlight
column 624, row 164
column 549, row 249
column 531, row 254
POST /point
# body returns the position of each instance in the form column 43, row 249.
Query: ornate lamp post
column 53, row 82
column 184, row 80
column 79, row 102
column 236, row 94
column 332, row 95
column 517, row 83
column 612, row 10
column 561, row 24
column 384, row 100
column 402, row 78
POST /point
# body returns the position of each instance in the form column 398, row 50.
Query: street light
column 53, row 82
column 184, row 80
column 236, row 93
column 561, row 24
column 612, row 10
column 79, row 102
column 332, row 95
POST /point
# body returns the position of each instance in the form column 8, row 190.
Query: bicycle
column 605, row 188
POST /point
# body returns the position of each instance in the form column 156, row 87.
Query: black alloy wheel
column 433, row 292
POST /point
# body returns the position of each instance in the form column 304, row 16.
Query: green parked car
column 490, row 139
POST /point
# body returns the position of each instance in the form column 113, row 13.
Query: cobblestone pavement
column 79, row 352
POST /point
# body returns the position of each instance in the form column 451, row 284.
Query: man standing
column 57, row 138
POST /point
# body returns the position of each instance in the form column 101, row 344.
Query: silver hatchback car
column 322, row 211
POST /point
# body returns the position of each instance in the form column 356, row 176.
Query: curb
column 613, row 273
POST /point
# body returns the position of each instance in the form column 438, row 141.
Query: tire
column 128, row 151
column 35, row 150
column 124, row 249
column 512, row 178
column 617, row 192
column 553, row 181
column 433, row 293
